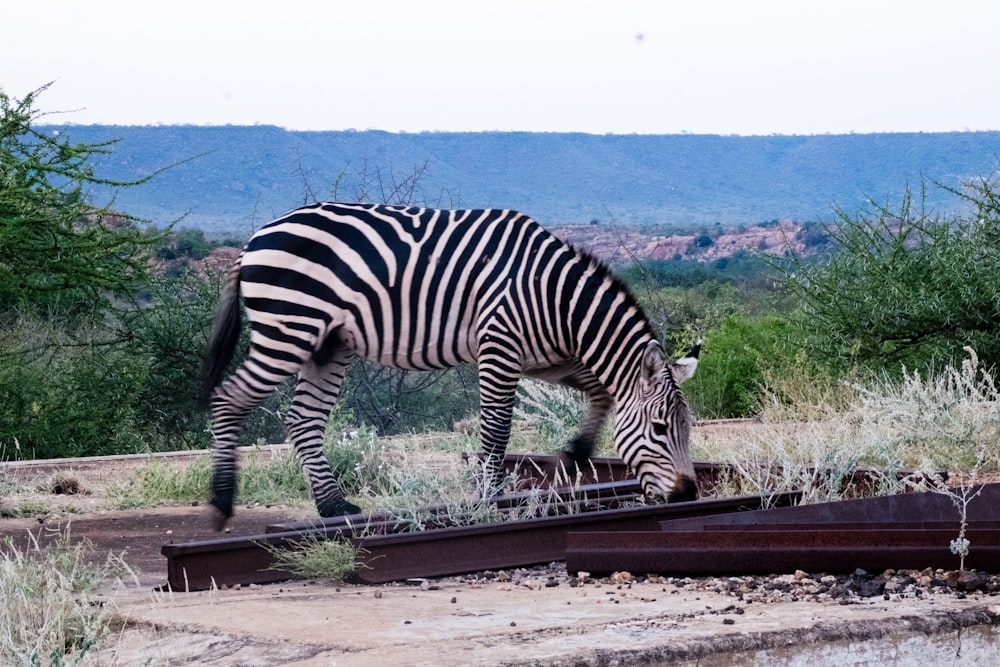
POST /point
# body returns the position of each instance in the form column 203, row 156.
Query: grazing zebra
column 429, row 289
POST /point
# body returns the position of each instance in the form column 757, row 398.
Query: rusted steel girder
column 759, row 550
column 517, row 543
column 911, row 531
column 452, row 550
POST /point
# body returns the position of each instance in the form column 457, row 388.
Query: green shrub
column 314, row 558
column 903, row 286
column 731, row 373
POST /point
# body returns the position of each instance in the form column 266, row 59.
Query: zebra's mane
column 604, row 272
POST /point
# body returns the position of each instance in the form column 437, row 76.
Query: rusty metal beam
column 519, row 543
column 389, row 557
column 905, row 531
column 907, row 507
column 442, row 547
column 833, row 548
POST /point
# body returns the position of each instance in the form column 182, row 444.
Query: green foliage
column 905, row 286
column 125, row 386
column 61, row 398
column 158, row 483
column 56, row 248
column 731, row 372
column 96, row 356
column 191, row 244
column 166, row 341
column 315, row 558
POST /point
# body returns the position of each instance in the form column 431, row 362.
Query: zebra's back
column 406, row 287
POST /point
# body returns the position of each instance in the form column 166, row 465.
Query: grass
column 48, row 612
column 315, row 558
column 159, row 482
column 948, row 421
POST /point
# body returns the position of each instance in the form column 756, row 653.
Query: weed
column 47, row 614
column 948, row 421
column 316, row 558
column 547, row 416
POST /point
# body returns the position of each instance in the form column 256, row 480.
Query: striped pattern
column 429, row 289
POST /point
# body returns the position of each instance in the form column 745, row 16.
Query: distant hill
column 244, row 176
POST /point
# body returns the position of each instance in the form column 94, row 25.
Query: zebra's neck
column 611, row 331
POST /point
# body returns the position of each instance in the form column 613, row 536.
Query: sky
column 752, row 67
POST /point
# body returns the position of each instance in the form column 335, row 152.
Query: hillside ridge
column 234, row 179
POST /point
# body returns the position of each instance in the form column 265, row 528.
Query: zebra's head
column 653, row 429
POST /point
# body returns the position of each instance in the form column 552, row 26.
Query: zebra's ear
column 653, row 361
column 685, row 367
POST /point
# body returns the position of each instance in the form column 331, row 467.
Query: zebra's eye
column 660, row 429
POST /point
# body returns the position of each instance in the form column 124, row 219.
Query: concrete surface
column 457, row 623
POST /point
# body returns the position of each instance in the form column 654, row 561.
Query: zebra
column 422, row 289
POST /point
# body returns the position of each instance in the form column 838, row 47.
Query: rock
column 872, row 587
column 967, row 580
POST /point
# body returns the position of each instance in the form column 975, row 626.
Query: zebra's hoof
column 337, row 508
column 573, row 461
column 217, row 518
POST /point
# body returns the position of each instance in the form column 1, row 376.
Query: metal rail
column 911, row 531
column 389, row 556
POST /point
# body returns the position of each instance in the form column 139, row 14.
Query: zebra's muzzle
column 685, row 491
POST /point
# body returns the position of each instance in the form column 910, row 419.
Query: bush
column 67, row 401
column 905, row 287
column 737, row 355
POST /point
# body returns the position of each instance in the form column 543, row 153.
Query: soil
column 537, row 616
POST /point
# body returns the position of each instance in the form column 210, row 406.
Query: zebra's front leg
column 307, row 439
column 315, row 396
column 581, row 447
column 495, row 434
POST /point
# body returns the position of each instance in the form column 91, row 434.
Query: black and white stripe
column 428, row 289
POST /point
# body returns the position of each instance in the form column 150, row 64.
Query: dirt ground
column 539, row 616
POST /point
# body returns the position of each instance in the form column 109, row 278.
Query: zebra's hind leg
column 315, row 395
column 229, row 404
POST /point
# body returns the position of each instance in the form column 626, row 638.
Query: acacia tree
column 71, row 371
column 905, row 286
column 56, row 247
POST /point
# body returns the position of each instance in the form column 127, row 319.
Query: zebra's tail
column 225, row 334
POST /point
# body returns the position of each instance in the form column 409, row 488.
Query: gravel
column 845, row 589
